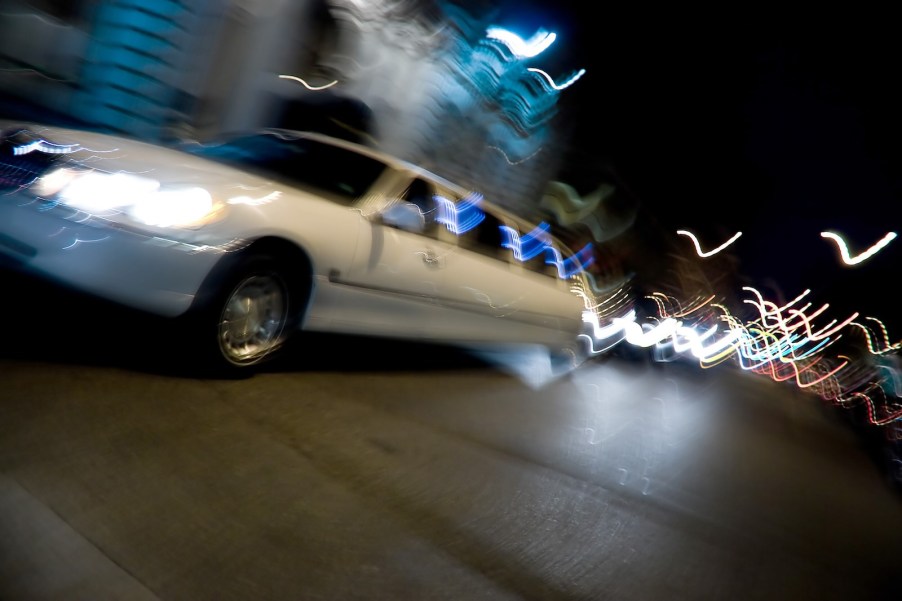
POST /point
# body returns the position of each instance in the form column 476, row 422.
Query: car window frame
column 288, row 177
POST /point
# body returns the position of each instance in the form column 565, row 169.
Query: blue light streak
column 529, row 246
column 567, row 268
column 45, row 147
column 460, row 217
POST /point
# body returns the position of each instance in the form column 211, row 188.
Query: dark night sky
column 777, row 125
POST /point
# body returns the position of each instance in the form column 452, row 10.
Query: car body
column 254, row 237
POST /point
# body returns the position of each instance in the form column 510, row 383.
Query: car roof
column 386, row 158
column 359, row 148
column 397, row 162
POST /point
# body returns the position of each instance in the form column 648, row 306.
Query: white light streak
column 307, row 85
column 698, row 247
column 861, row 257
column 551, row 82
column 521, row 48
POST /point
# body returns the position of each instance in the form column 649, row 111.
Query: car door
column 397, row 271
column 495, row 296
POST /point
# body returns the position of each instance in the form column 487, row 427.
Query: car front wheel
column 254, row 316
column 247, row 314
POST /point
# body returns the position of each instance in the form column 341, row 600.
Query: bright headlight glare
column 54, row 181
column 142, row 199
column 172, row 208
column 100, row 193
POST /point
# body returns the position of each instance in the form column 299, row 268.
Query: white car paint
column 368, row 277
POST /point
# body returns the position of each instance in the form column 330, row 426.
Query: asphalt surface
column 357, row 469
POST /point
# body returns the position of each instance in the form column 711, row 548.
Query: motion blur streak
column 307, row 85
column 660, row 297
column 872, row 409
column 48, row 147
column 529, row 246
column 518, row 161
column 782, row 343
column 554, row 86
column 567, row 268
column 870, row 336
column 768, row 308
column 611, row 304
column 861, row 257
column 519, row 47
column 461, row 217
column 247, row 200
column 776, row 310
column 45, row 147
column 709, row 253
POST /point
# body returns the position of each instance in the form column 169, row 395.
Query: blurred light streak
column 686, row 338
column 647, row 335
column 869, row 336
column 824, row 333
column 592, row 341
column 567, row 268
column 521, row 48
column 762, row 304
column 720, row 351
column 484, row 298
column 790, row 369
column 871, row 408
column 613, row 328
column 615, row 300
column 765, row 346
column 307, row 85
column 660, row 297
column 45, row 147
column 705, row 254
column 822, row 377
column 765, row 310
column 529, row 246
column 815, row 349
column 79, row 241
column 247, row 200
column 863, row 256
column 805, row 318
column 551, row 82
column 517, row 162
column 775, row 345
column 461, row 217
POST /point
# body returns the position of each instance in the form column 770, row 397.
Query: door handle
column 431, row 259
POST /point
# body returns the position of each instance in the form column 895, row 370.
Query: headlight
column 141, row 199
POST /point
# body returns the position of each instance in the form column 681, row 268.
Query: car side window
column 339, row 174
column 486, row 238
column 421, row 194
column 531, row 249
column 414, row 210
column 539, row 264
column 336, row 170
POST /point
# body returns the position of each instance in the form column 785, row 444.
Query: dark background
column 779, row 125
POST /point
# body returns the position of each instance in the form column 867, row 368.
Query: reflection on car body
column 254, row 237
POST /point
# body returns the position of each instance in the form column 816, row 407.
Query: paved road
column 386, row 472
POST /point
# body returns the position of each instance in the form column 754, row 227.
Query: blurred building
column 420, row 79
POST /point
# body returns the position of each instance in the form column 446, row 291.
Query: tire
column 248, row 314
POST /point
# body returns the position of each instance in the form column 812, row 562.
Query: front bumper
column 149, row 272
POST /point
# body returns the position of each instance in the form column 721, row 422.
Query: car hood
column 171, row 166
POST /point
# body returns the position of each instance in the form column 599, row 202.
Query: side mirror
column 405, row 216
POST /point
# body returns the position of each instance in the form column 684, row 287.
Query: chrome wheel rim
column 253, row 319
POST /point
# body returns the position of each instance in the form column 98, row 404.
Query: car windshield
column 340, row 174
